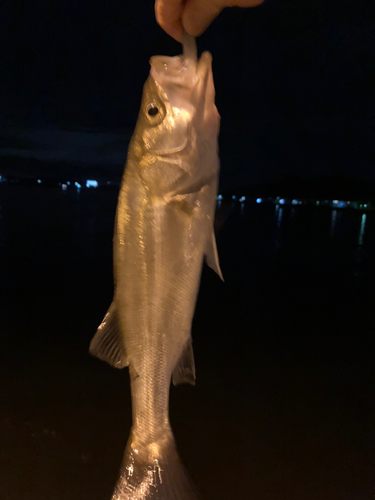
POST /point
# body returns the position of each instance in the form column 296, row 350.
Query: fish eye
column 152, row 110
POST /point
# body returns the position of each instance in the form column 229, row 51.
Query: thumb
column 199, row 14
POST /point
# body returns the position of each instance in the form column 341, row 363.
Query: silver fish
column 163, row 229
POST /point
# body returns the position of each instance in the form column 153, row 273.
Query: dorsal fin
column 212, row 257
column 107, row 343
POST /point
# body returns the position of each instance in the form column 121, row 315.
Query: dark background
column 294, row 80
column 284, row 403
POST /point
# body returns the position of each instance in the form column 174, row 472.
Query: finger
column 244, row 3
column 198, row 14
column 168, row 14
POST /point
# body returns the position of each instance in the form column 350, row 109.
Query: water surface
column 283, row 407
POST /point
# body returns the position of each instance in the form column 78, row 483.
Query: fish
column 163, row 231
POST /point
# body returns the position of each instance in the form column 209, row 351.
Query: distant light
column 317, row 202
column 335, row 202
column 68, row 183
column 220, row 197
column 78, row 186
column 282, row 201
column 340, row 204
column 234, row 197
column 259, row 200
column 64, row 187
column 242, row 199
column 365, row 205
column 39, row 181
column 93, row 184
column 294, row 202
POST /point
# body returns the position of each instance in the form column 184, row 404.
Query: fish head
column 178, row 104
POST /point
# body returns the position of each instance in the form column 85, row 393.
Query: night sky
column 294, row 79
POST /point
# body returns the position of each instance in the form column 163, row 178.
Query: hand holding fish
column 193, row 15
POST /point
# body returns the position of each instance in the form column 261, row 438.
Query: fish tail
column 153, row 471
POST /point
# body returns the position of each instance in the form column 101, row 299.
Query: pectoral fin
column 107, row 342
column 212, row 257
column 184, row 373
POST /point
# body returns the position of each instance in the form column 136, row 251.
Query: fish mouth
column 184, row 70
column 177, row 70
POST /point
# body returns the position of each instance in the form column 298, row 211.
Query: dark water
column 284, row 403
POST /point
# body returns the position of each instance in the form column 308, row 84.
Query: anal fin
column 184, row 373
column 107, row 342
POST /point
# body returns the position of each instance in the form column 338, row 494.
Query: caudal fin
column 153, row 472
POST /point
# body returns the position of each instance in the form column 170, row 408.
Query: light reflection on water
column 2, row 228
column 334, row 218
column 334, row 224
column 362, row 229
column 279, row 216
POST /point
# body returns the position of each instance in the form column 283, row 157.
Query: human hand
column 193, row 15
